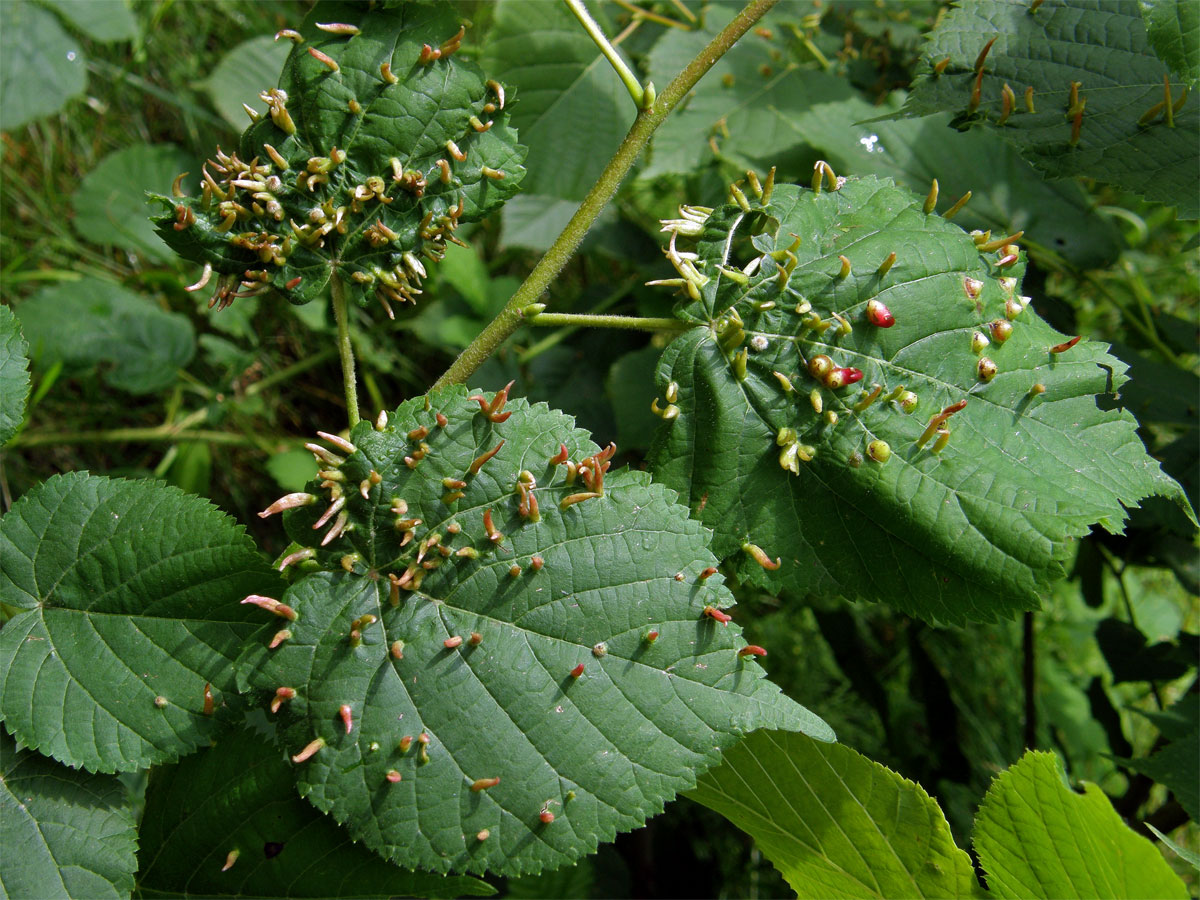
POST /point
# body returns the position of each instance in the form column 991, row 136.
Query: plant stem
column 144, row 435
column 565, row 245
column 610, row 52
column 345, row 350
column 589, row 320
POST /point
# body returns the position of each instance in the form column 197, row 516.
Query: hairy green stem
column 610, row 52
column 345, row 350
column 589, row 320
column 565, row 245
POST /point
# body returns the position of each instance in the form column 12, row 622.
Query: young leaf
column 572, row 105
column 835, row 823
column 128, row 619
column 573, row 653
column 239, row 798
column 1037, row 838
column 1103, row 49
column 88, row 322
column 379, row 142
column 876, row 505
column 65, row 833
column 14, row 375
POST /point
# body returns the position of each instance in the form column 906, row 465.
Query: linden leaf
column 380, row 140
column 1099, row 46
column 66, row 833
column 127, row 619
column 466, row 638
column 851, row 486
column 227, row 822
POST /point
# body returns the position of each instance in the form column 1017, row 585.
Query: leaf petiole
column 636, row 91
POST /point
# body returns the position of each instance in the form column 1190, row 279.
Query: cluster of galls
column 266, row 222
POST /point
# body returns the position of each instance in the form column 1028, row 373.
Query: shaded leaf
column 1101, row 45
column 1037, row 838
column 240, row 796
column 378, row 172
column 14, row 375
column 1173, row 27
column 598, row 753
column 100, row 20
column 243, row 73
column 1132, row 658
column 88, row 322
column 41, row 66
column 974, row 531
column 835, row 823
column 126, row 592
column 1175, row 766
column 630, row 387
column 110, row 202
column 65, row 833
column 570, row 104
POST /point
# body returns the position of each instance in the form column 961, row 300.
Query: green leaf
column 41, row 66
column 376, row 175
column 88, row 322
column 127, row 591
column 65, row 833
column 1189, row 855
column 14, row 375
column 292, row 469
column 239, row 796
column 743, row 104
column 835, row 823
column 535, row 221
column 242, row 74
column 975, row 531
column 1102, row 45
column 110, row 202
column 1175, row 766
column 570, row 104
column 100, row 20
column 1173, row 27
column 1007, row 193
column 630, row 387
column 1037, row 838
column 600, row 752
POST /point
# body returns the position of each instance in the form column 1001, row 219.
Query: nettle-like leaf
column 128, row 619
column 378, row 143
column 227, row 822
column 1098, row 92
column 518, row 655
column 861, row 490
column 65, row 833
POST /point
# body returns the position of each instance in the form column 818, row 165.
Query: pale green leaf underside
column 100, row 20
column 240, row 795
column 65, row 833
column 1037, row 838
column 1173, row 27
column 570, row 104
column 127, row 591
column 973, row 532
column 89, row 322
column 835, row 823
column 41, row 66
column 1102, row 45
column 420, row 118
column 14, row 375
column 624, row 737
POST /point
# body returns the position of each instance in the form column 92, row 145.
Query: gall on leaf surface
column 1099, row 45
column 128, row 616
column 479, row 644
column 970, row 528
column 239, row 795
column 379, row 172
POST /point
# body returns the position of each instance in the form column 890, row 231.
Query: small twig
column 636, row 91
column 345, row 349
column 588, row 320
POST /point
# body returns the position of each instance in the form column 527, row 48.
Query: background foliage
column 133, row 377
